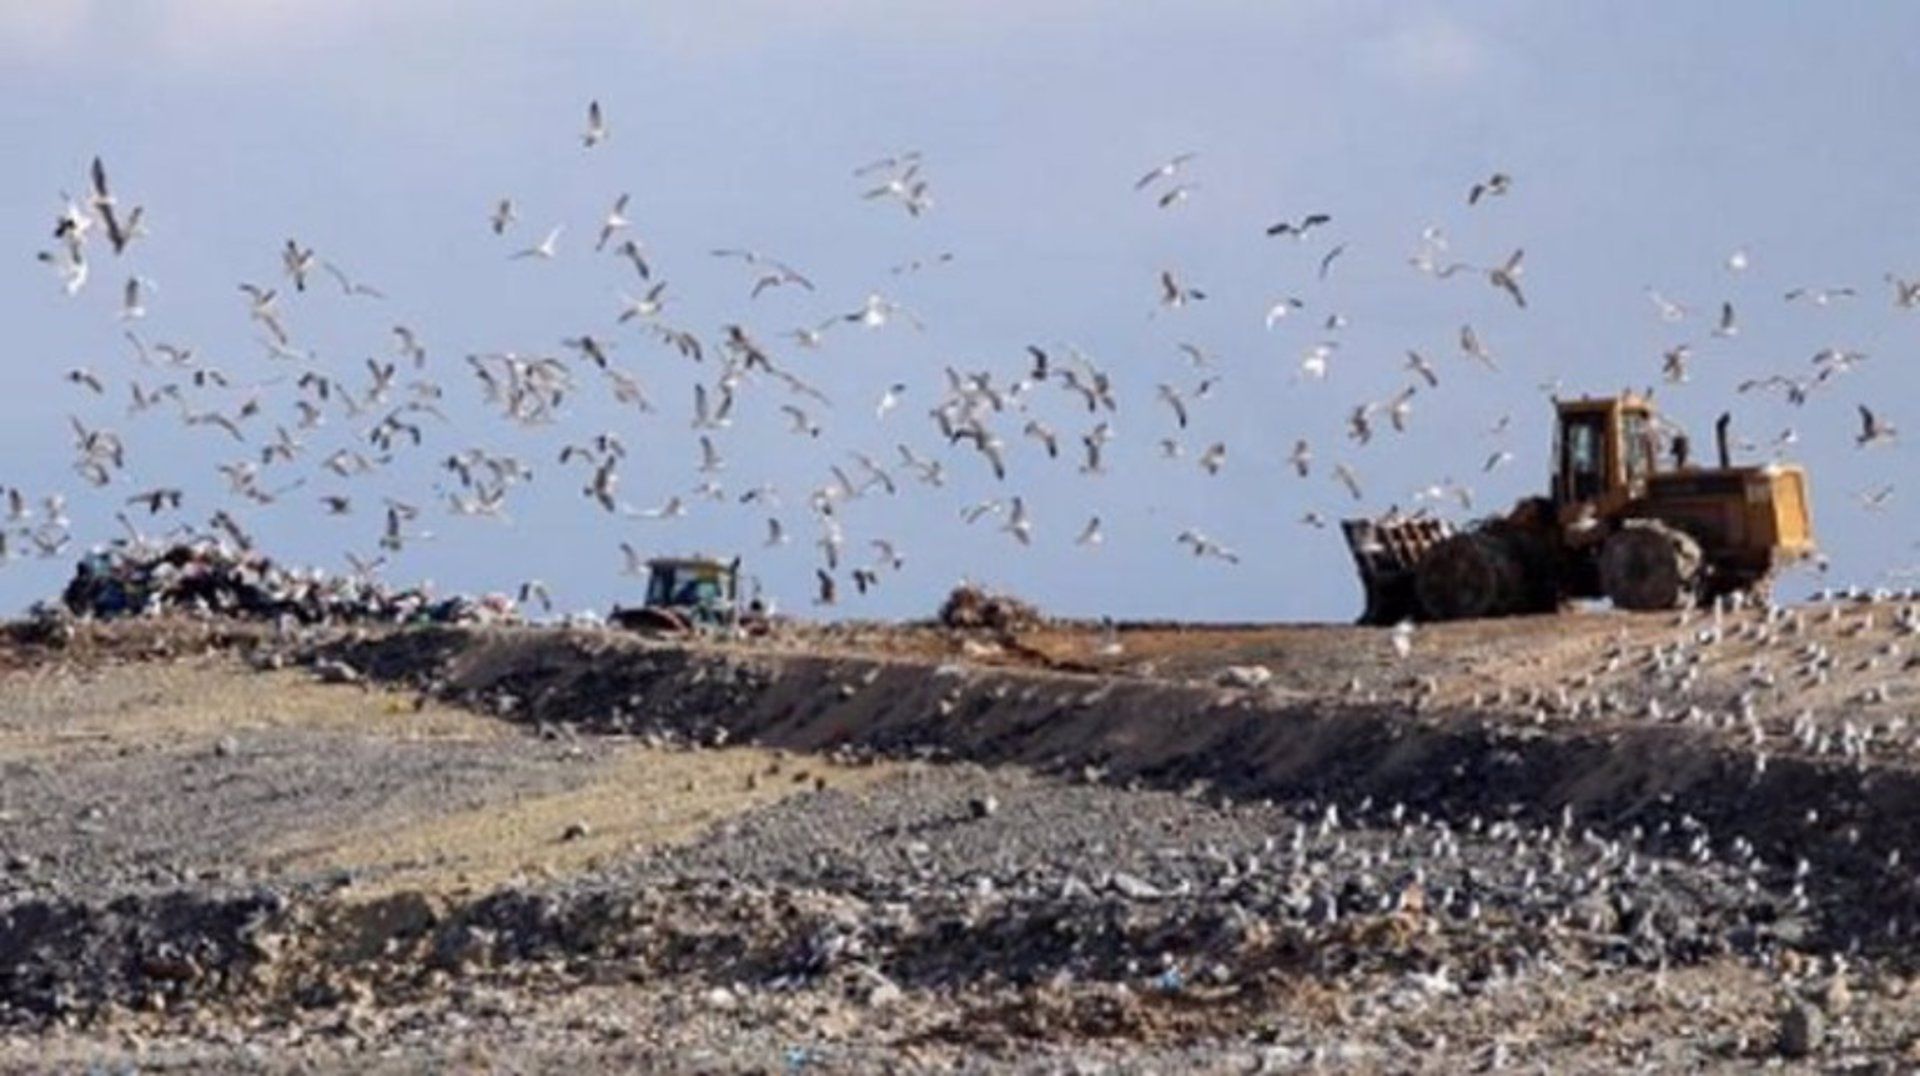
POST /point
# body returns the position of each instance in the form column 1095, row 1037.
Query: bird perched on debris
column 1402, row 638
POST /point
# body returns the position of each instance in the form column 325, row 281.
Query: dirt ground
column 1582, row 843
column 146, row 774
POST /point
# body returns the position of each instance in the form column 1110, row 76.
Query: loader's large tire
column 1471, row 575
column 1648, row 565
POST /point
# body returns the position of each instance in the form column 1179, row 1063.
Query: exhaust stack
column 1720, row 438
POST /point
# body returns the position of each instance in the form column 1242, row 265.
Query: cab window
column 660, row 587
column 1640, row 447
column 1584, row 457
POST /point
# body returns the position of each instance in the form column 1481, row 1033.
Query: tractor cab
column 1607, row 449
column 685, row 594
column 697, row 584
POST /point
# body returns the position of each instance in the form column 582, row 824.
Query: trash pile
column 970, row 608
column 209, row 578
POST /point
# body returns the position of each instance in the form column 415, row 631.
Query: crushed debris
column 210, row 579
column 970, row 608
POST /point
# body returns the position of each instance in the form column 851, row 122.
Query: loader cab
column 1606, row 450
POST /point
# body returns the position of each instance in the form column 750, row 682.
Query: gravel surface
column 213, row 868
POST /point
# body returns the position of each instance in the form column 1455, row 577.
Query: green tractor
column 689, row 595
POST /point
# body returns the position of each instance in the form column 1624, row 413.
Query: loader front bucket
column 1386, row 551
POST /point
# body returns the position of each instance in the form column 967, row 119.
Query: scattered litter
column 209, row 578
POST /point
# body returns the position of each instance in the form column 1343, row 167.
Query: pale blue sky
column 1647, row 141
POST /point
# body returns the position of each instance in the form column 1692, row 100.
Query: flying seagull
column 1165, row 170
column 1301, row 227
column 544, row 250
column 596, row 131
column 1506, row 277
column 1874, row 430
column 1495, row 185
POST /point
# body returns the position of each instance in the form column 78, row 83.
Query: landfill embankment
column 882, row 847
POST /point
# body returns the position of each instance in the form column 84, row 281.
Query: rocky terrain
column 1588, row 843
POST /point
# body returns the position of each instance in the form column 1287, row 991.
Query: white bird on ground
column 1402, row 638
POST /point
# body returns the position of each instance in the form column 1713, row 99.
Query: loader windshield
column 1583, row 460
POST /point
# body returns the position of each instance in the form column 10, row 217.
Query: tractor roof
column 687, row 562
column 1604, row 403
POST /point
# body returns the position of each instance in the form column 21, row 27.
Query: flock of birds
column 999, row 421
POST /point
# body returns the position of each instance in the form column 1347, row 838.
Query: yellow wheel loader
column 1624, row 520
